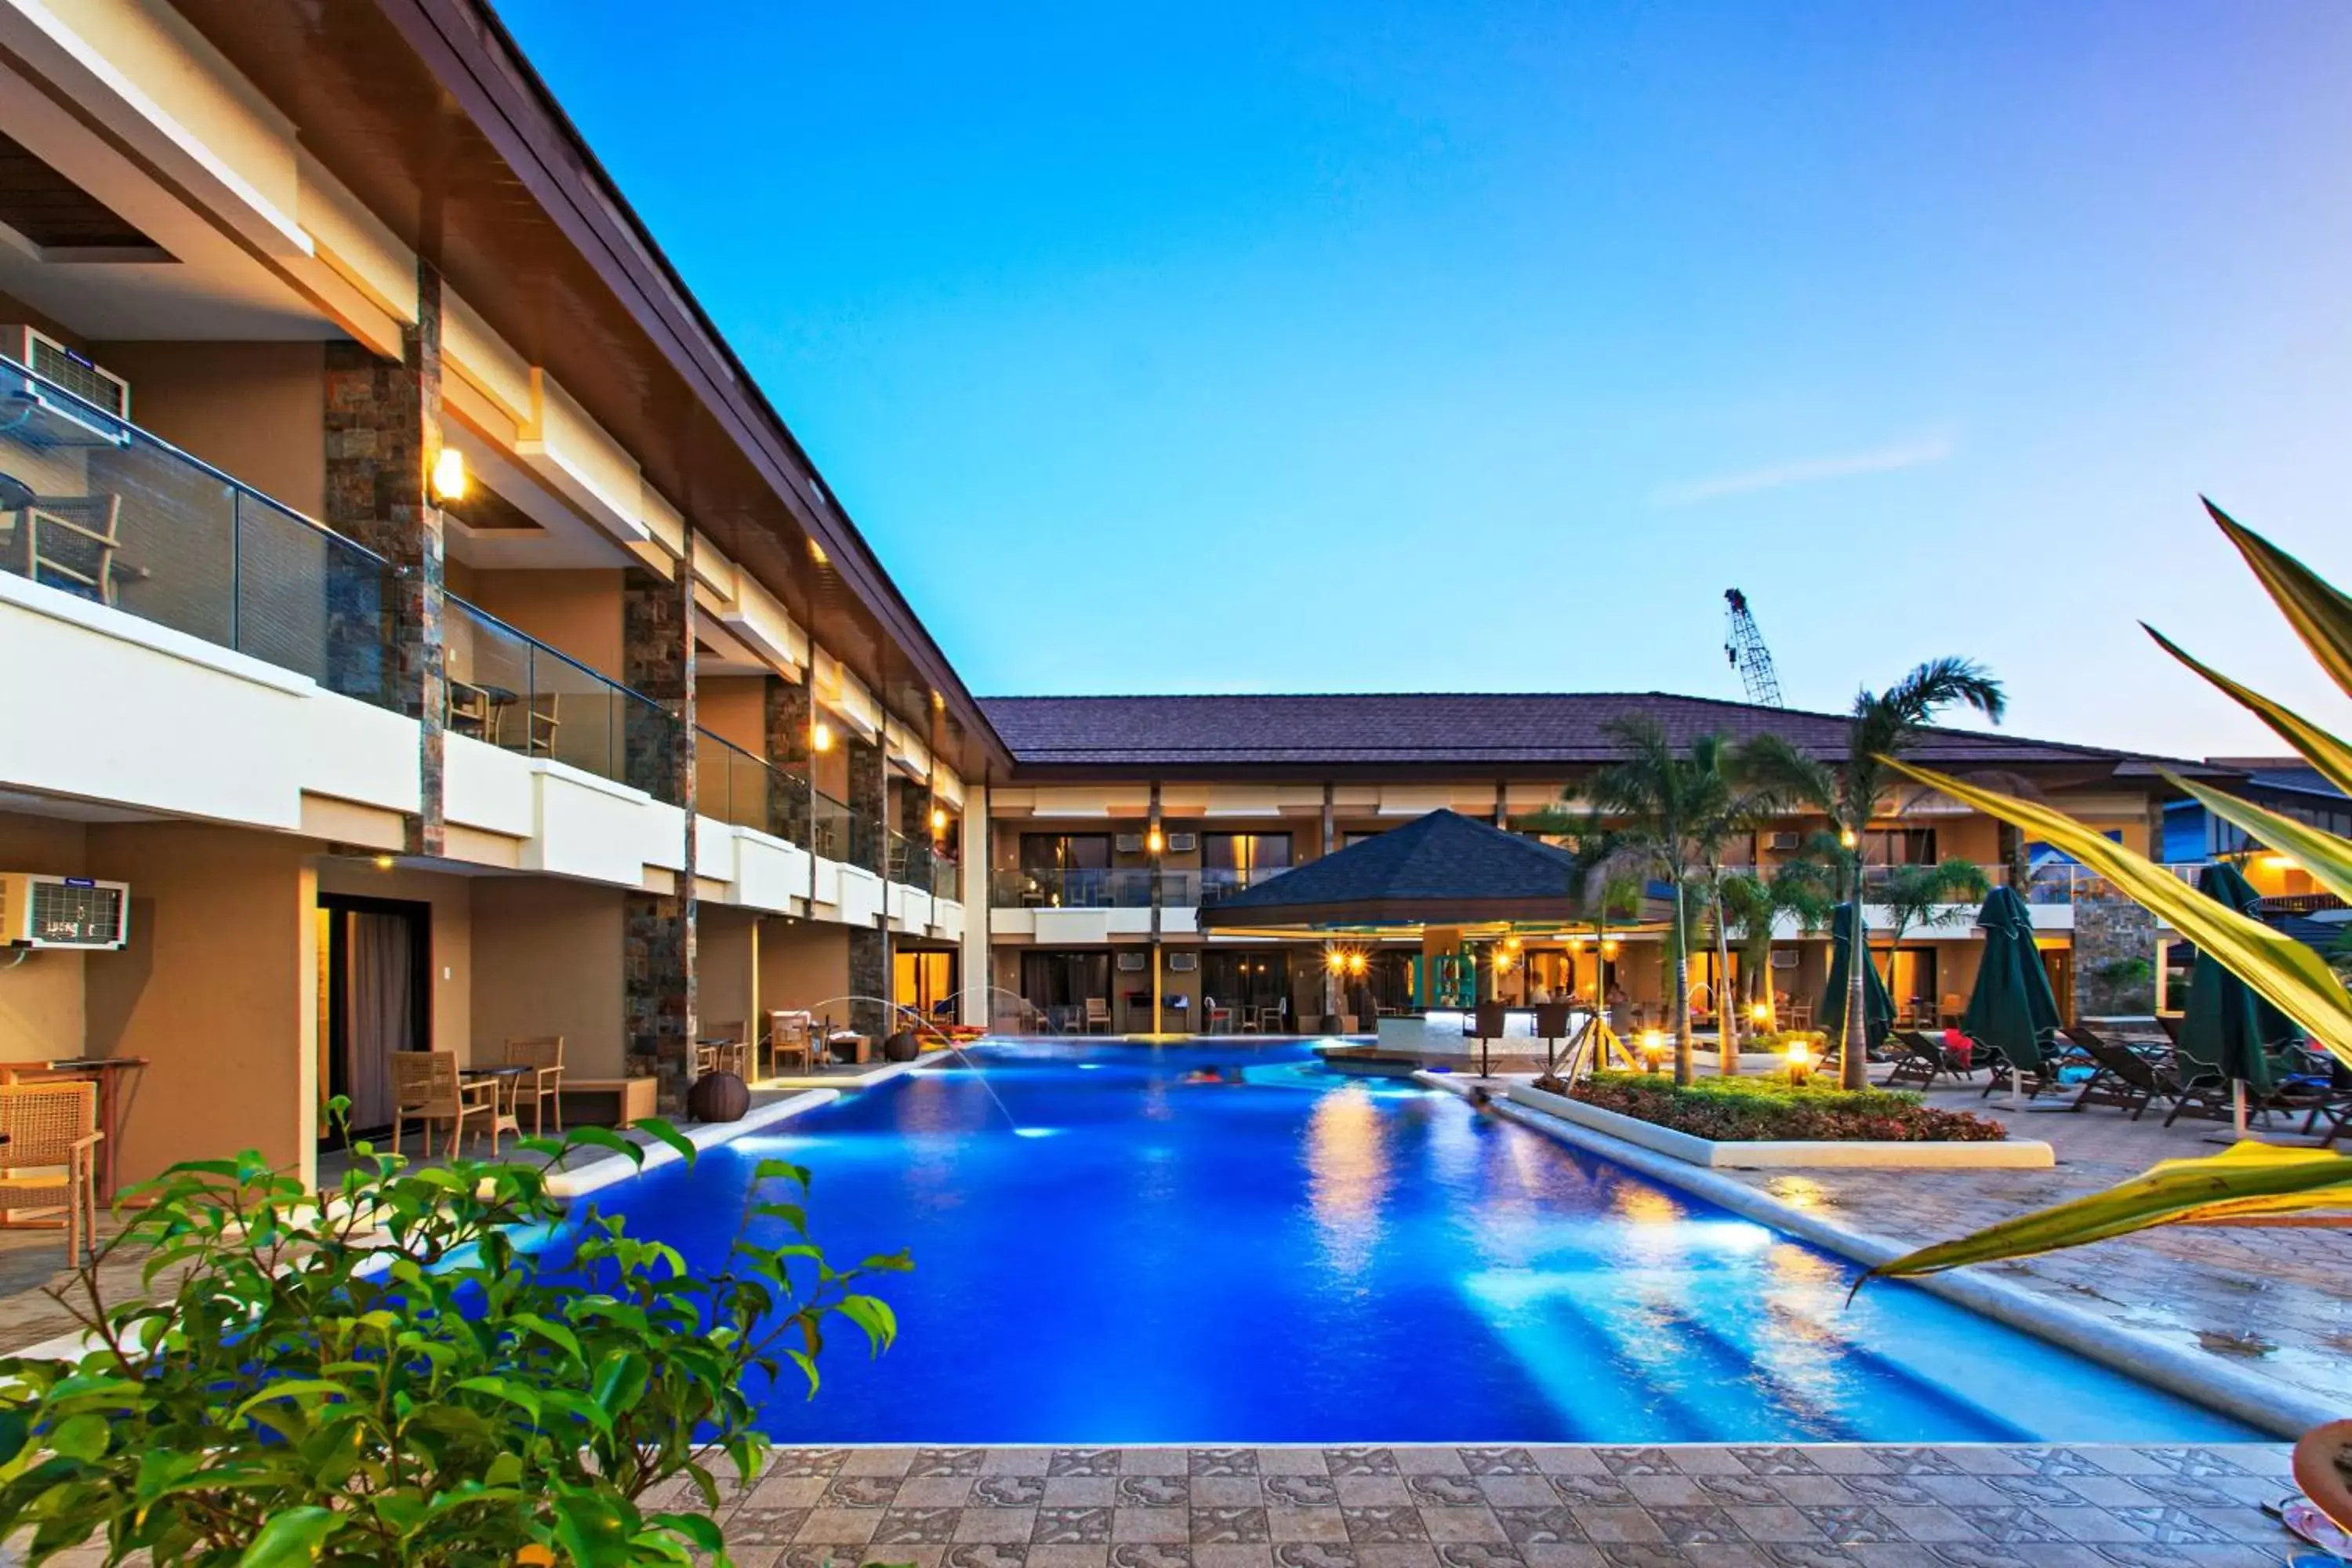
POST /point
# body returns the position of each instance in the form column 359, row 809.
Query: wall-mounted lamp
column 385, row 862
column 820, row 736
column 1155, row 841
column 1847, row 838
column 449, row 475
column 938, row 820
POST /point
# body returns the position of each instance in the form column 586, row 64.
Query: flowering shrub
column 1754, row 1110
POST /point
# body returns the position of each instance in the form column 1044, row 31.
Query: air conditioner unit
column 41, row 910
column 1130, row 963
column 100, row 393
column 1183, row 843
column 1784, row 960
column 1184, row 962
column 1781, row 841
column 1128, row 843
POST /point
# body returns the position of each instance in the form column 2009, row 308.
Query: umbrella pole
column 2238, row 1106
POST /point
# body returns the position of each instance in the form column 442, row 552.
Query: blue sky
column 1367, row 346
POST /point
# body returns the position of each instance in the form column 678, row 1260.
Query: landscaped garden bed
column 1747, row 1110
column 1757, row 1122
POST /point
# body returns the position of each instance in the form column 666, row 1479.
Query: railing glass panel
column 96, row 506
column 512, row 690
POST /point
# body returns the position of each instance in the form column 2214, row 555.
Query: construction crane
column 1743, row 645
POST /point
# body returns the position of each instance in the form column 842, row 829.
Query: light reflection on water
column 1303, row 1258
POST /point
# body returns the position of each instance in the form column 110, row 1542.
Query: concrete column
column 788, row 717
column 977, row 854
column 657, row 930
column 1330, row 838
column 382, row 433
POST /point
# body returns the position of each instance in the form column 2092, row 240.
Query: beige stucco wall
column 256, row 410
column 726, row 969
column 41, row 996
column 451, row 936
column 805, row 965
column 547, row 961
column 217, row 990
column 734, row 707
column 577, row 613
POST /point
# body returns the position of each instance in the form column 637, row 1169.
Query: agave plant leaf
column 2248, row 1183
column 2319, row 612
column 2328, row 858
column 2282, row 971
column 2323, row 750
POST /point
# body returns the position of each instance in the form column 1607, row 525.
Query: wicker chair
column 544, row 1054
column 52, row 1160
column 425, row 1088
column 723, row 1050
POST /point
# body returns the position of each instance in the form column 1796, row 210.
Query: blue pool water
column 1295, row 1257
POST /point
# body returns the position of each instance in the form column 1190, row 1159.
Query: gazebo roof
column 1442, row 869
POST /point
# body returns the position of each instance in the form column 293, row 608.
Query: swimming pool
column 1286, row 1256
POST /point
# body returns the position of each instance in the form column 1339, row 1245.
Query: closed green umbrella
column 2227, row 1029
column 1877, row 1006
column 2011, row 1009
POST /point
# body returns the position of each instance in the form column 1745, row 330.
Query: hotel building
column 419, row 631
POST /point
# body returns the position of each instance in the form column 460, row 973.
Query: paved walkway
column 2274, row 1302
column 1542, row 1507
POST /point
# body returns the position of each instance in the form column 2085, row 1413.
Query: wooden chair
column 1097, row 1019
column 425, row 1088
column 1950, row 1015
column 544, row 1054
column 52, row 1160
column 70, row 543
column 789, row 1037
column 724, row 1051
column 469, row 709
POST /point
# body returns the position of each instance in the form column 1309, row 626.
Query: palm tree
column 1657, row 800
column 1927, row 895
column 1734, row 801
column 1755, row 902
column 1881, row 725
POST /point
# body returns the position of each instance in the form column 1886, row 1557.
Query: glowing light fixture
column 938, row 820
column 1355, row 964
column 1336, row 962
column 820, row 736
column 1155, row 841
column 449, row 475
column 1847, row 838
column 1759, row 1013
column 385, row 862
column 1653, row 1049
column 1800, row 1062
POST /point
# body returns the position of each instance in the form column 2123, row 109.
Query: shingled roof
column 1481, row 730
column 1442, row 868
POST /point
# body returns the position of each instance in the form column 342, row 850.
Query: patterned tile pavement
column 1826, row 1506
column 2277, row 1304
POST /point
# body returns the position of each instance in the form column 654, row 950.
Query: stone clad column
column 788, row 717
column 383, row 432
column 869, row 947
column 658, row 936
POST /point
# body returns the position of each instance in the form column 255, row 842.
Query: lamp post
column 1857, row 1034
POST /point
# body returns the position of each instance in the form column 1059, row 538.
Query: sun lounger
column 1922, row 1060
column 2123, row 1078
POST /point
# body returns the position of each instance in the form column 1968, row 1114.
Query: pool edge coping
column 2264, row 1404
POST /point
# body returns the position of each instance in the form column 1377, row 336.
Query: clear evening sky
column 1381, row 347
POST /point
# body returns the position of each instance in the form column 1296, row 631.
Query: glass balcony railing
column 947, row 877
column 830, row 824
column 513, row 691
column 96, row 506
column 1116, row 888
column 1217, row 885
column 909, row 859
column 733, row 785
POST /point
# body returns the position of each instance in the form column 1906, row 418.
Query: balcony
column 99, row 508
column 508, row 689
column 1118, row 887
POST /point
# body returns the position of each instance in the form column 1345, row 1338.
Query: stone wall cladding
column 787, row 718
column 869, row 978
column 2107, row 931
column 869, row 799
column 659, row 930
column 381, row 429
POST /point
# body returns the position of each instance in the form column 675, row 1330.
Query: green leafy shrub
column 424, row 1366
column 1750, row 1109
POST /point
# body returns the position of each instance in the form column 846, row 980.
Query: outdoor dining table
column 107, row 1073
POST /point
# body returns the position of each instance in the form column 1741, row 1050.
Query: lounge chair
column 2121, row 1076
column 2004, row 1074
column 51, row 1150
column 1922, row 1060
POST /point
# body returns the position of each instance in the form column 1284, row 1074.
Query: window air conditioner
column 1784, row 960
column 1130, row 963
column 1183, row 843
column 1129, row 843
column 1779, row 841
column 107, row 395
column 1184, row 962
column 38, row 910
